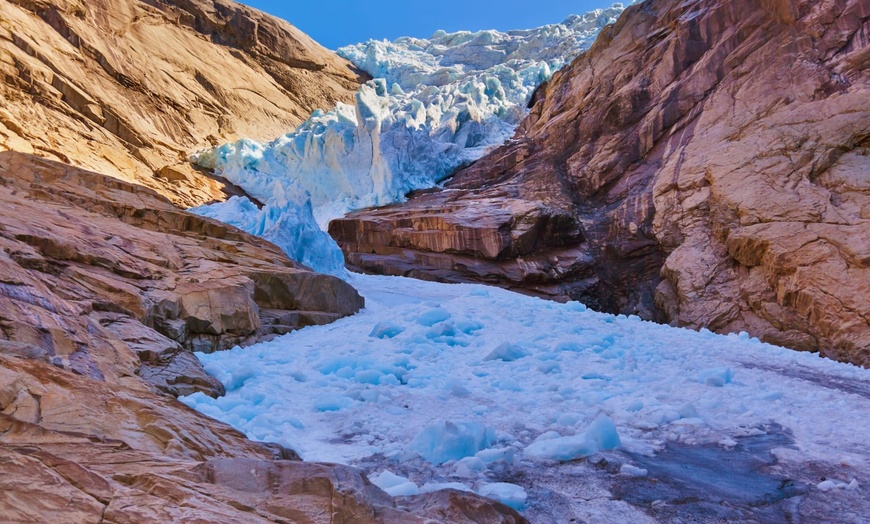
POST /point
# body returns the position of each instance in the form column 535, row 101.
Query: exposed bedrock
column 108, row 279
column 129, row 88
column 705, row 163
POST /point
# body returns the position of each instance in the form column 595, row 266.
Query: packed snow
column 434, row 105
column 436, row 386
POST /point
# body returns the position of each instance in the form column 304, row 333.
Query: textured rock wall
column 108, row 279
column 129, row 88
column 705, row 164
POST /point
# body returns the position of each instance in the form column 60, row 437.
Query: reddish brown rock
column 706, row 164
column 129, row 88
column 154, row 460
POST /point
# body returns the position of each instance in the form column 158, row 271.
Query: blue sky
column 335, row 23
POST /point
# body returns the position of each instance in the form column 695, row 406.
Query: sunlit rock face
column 704, row 163
column 130, row 87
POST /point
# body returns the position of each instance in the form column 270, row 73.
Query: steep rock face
column 129, row 88
column 103, row 284
column 706, row 163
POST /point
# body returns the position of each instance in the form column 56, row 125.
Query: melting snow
column 408, row 385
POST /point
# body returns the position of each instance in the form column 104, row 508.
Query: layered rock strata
column 705, row 163
column 129, row 88
column 110, row 280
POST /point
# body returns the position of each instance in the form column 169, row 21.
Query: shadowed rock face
column 129, row 88
column 103, row 285
column 706, row 163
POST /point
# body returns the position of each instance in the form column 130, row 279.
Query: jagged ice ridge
column 435, row 105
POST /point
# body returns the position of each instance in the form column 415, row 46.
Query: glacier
column 434, row 105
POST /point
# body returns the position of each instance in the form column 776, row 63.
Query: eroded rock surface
column 109, row 279
column 103, row 285
column 129, row 88
column 706, row 164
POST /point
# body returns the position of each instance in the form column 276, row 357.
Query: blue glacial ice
column 435, row 104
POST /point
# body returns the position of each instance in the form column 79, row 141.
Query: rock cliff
column 705, row 163
column 129, row 88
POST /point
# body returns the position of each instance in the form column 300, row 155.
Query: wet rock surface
column 703, row 164
column 714, row 483
column 130, row 88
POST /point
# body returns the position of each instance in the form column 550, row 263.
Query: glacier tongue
column 435, row 104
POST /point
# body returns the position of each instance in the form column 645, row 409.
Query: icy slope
column 435, row 104
column 473, row 386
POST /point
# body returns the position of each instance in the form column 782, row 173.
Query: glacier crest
column 435, row 104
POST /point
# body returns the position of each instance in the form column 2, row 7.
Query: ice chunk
column 470, row 466
column 548, row 367
column 603, row 432
column 493, row 455
column 444, row 440
column 508, row 384
column 332, row 403
column 827, row 485
column 394, row 485
column 507, row 352
column 563, row 449
column 600, row 435
column 386, row 329
column 433, row 316
column 688, row 411
column 368, row 376
column 549, row 435
column 717, row 377
column 627, row 470
column 508, row 494
column 568, row 419
column 830, row 485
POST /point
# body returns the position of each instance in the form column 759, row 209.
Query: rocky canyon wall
column 129, row 88
column 705, row 164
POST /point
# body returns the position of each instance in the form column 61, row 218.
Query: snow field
column 470, row 382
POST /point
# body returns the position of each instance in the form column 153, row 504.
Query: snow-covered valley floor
column 557, row 410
